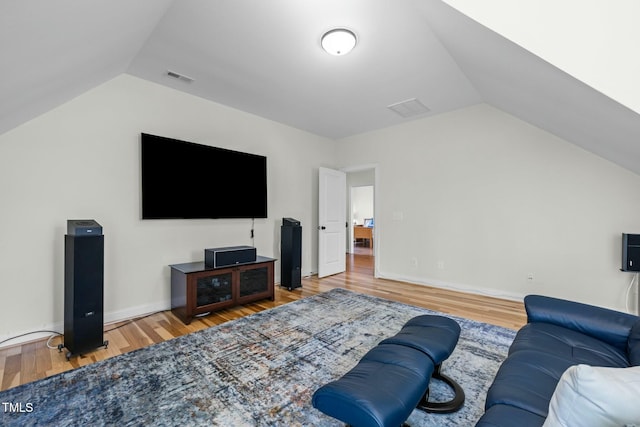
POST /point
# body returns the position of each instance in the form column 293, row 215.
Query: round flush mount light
column 338, row 41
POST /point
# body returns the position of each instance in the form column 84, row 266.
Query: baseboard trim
column 109, row 318
column 435, row 283
column 29, row 336
column 133, row 312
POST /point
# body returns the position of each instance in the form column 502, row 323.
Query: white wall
column 81, row 160
column 477, row 199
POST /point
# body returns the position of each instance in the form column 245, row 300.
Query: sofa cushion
column 568, row 344
column 509, row 416
column 527, row 380
column 634, row 345
column 588, row 395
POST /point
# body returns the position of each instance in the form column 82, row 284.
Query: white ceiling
column 264, row 57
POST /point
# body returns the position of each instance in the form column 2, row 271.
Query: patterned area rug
column 260, row 370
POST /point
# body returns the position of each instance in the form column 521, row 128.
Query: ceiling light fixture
column 338, row 41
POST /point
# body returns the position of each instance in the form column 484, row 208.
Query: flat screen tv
column 186, row 180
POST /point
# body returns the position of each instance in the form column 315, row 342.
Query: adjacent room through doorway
column 362, row 220
column 361, row 217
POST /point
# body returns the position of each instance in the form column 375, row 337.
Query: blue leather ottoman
column 392, row 379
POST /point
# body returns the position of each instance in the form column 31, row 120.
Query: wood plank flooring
column 28, row 362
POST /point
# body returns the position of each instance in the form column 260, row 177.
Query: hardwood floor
column 28, row 362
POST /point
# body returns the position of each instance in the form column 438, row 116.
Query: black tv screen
column 185, row 180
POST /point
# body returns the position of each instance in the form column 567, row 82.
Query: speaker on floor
column 290, row 253
column 630, row 252
column 83, row 291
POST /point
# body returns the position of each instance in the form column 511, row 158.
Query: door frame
column 376, row 211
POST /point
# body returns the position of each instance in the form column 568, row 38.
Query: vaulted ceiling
column 264, row 57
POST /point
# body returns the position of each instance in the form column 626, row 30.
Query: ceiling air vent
column 409, row 108
column 180, row 77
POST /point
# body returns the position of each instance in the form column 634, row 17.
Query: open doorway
column 362, row 220
column 362, row 244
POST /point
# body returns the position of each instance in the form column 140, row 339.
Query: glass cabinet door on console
column 254, row 283
column 214, row 289
column 208, row 291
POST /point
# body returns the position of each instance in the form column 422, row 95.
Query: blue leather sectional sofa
column 559, row 334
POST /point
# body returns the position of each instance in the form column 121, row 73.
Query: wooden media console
column 197, row 289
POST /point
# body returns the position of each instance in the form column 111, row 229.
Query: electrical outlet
column 530, row 277
column 414, row 261
column 440, row 265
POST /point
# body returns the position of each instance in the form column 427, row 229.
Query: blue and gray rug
column 260, row 370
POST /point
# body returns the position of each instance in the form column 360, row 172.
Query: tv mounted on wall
column 186, row 180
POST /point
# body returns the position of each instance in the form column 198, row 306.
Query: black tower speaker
column 630, row 252
column 83, row 293
column 291, row 253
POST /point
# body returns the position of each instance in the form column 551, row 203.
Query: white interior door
column 332, row 222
